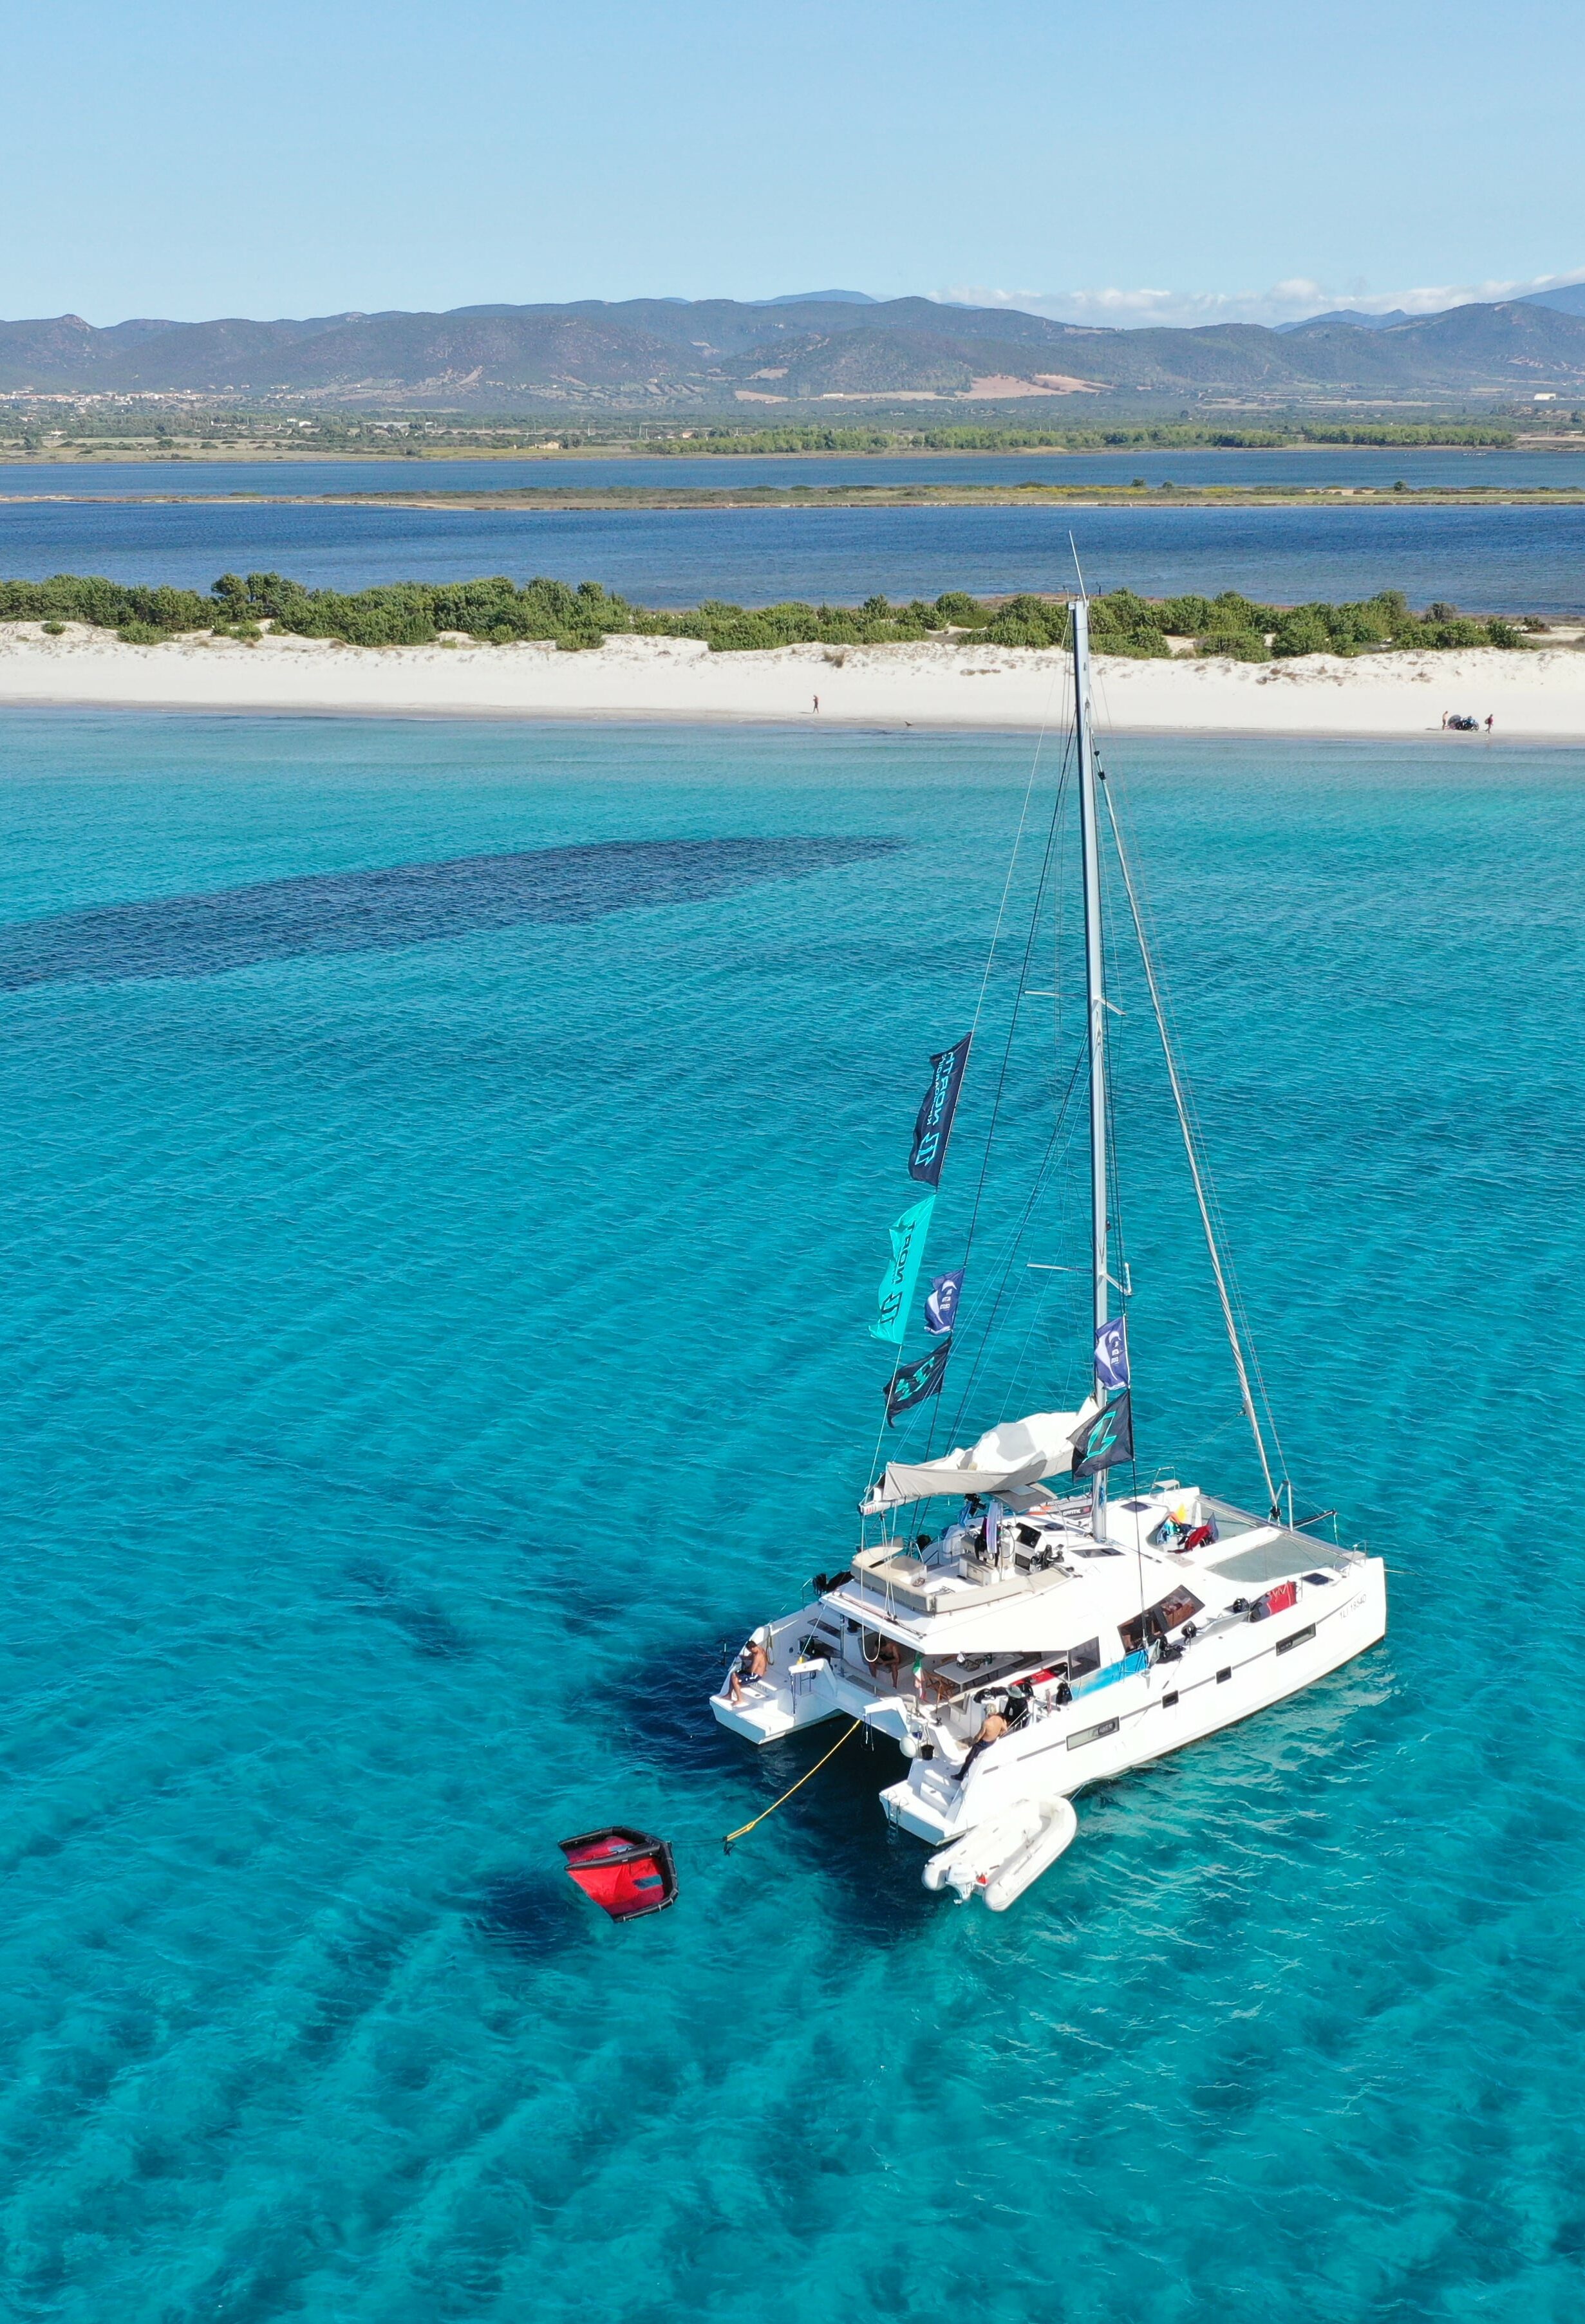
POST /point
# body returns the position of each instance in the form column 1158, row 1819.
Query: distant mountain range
column 1568, row 301
column 1348, row 315
column 820, row 346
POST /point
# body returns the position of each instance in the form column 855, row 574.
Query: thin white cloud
column 1283, row 302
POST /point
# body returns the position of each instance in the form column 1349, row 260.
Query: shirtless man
column 993, row 1726
column 752, row 1663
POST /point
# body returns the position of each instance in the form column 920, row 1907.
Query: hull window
column 1093, row 1734
column 1299, row 1638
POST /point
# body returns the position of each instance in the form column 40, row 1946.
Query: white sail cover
column 1018, row 1453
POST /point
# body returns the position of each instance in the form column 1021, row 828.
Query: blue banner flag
column 1111, row 1355
column 1106, row 1440
column 913, row 1384
column 941, row 1302
column 897, row 1283
column 934, row 1125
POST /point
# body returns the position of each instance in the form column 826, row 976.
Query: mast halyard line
column 1096, row 999
column 1181, row 1104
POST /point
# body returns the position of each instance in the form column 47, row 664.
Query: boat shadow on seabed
column 530, row 1913
column 869, row 1872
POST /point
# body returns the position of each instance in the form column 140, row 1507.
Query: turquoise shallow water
column 417, row 1359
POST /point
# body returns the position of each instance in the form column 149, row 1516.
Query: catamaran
column 1053, row 1635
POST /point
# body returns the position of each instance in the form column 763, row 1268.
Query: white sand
column 1539, row 696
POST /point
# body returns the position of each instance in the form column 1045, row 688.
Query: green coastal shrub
column 1234, row 645
column 498, row 610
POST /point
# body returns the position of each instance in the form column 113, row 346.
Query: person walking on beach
column 817, row 702
column 1490, row 722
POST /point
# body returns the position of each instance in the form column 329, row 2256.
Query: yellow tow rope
column 798, row 1787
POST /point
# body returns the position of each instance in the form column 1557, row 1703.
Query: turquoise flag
column 897, row 1283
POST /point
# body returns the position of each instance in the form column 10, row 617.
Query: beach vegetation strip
column 501, row 612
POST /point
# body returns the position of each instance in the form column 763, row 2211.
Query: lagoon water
column 1426, row 468
column 1512, row 559
column 418, row 1359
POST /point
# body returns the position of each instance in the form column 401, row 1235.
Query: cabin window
column 1165, row 1615
column 1093, row 1734
column 1299, row 1638
column 1077, row 1662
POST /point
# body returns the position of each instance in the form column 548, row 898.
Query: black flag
column 912, row 1384
column 1106, row 1440
column 934, row 1125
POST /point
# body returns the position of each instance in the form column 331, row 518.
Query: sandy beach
column 1534, row 696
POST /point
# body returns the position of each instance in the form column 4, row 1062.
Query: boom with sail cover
column 1018, row 1453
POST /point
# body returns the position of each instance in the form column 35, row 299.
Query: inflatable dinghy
column 998, row 1860
column 625, row 1873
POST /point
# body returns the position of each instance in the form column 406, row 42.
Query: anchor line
column 798, row 1787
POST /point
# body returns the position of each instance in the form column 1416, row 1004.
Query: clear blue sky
column 229, row 158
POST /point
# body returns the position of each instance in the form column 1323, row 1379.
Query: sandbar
column 1536, row 695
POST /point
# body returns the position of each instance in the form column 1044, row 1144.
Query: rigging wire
column 1017, row 998
column 1191, row 1147
column 1023, row 967
column 1002, row 1269
column 978, row 1008
column 1240, row 1305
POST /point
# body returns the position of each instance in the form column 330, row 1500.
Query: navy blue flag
column 1106, row 1440
column 914, row 1384
column 1111, row 1355
column 941, row 1305
column 934, row 1125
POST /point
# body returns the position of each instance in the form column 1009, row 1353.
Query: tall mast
column 1096, row 999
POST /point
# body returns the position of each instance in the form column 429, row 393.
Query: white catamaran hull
column 997, row 1819
column 1143, row 1718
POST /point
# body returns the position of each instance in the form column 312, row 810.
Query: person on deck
column 992, row 1728
column 888, row 1657
column 752, row 1663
